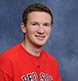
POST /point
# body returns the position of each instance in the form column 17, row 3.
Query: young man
column 28, row 61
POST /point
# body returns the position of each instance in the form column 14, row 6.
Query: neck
column 33, row 50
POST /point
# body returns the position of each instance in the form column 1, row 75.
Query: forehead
column 39, row 13
column 41, row 16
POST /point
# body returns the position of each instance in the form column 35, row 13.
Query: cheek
column 48, row 31
column 31, row 31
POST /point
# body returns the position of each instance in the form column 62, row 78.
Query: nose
column 41, row 29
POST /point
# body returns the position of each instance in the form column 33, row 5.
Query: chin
column 40, row 45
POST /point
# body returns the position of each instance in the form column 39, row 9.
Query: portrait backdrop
column 63, row 42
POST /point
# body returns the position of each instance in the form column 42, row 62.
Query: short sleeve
column 5, row 69
column 4, row 76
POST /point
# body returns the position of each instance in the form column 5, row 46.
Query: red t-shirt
column 16, row 64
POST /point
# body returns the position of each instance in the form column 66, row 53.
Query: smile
column 40, row 37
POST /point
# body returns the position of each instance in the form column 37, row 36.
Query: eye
column 34, row 24
column 47, row 24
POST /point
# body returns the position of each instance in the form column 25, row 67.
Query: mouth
column 40, row 37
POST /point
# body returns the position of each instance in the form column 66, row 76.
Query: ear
column 23, row 27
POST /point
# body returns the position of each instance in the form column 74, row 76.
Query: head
column 36, row 24
column 36, row 7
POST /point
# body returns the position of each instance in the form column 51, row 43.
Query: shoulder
column 52, row 61
column 11, row 50
column 50, row 57
column 9, row 54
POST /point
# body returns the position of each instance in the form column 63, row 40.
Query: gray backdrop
column 63, row 42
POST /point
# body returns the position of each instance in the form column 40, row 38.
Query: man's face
column 38, row 28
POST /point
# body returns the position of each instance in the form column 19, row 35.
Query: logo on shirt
column 34, row 77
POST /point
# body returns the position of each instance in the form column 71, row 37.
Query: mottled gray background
column 63, row 42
